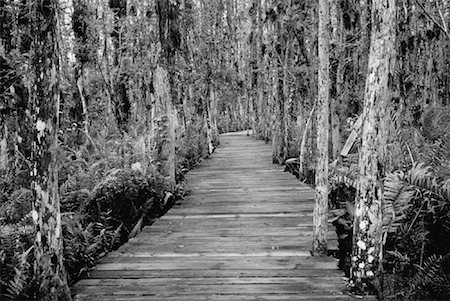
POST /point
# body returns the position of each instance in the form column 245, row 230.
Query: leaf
column 136, row 228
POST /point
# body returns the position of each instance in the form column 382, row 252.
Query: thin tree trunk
column 213, row 113
column 208, row 122
column 367, row 236
column 260, row 66
column 3, row 148
column 84, row 106
column 48, row 245
column 286, row 98
column 335, row 98
column 277, row 139
column 321, row 206
column 364, row 48
column 305, row 139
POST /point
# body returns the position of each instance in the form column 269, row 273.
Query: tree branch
column 441, row 27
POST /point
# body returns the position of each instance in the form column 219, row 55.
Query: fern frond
column 430, row 277
column 421, row 176
column 17, row 285
column 397, row 201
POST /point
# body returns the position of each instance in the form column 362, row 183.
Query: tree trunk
column 337, row 68
column 305, row 140
column 164, row 123
column 3, row 147
column 277, row 129
column 321, row 207
column 254, row 73
column 163, row 118
column 208, row 122
column 48, row 245
column 364, row 48
column 213, row 113
column 287, row 100
column 367, row 238
column 260, row 65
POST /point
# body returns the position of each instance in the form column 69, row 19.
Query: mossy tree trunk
column 48, row 245
column 6, row 82
column 335, row 82
column 163, row 109
column 120, row 95
column 163, row 118
column 323, row 127
column 278, row 61
column 80, row 33
column 367, row 236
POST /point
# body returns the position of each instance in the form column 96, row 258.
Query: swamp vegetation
column 105, row 105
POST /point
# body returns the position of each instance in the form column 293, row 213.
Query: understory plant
column 109, row 190
column 416, row 208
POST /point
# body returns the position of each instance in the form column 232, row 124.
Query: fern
column 400, row 188
column 17, row 286
column 397, row 201
column 430, row 278
column 421, row 176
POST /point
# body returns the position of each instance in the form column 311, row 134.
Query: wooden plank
column 235, row 215
column 213, row 263
column 239, row 297
column 113, row 274
column 244, row 233
column 352, row 137
column 204, row 281
column 225, row 289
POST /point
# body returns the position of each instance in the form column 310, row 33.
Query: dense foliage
column 146, row 86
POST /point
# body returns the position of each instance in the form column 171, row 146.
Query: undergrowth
column 109, row 190
column 416, row 210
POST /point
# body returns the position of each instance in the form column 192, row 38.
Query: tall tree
column 367, row 246
column 321, row 207
column 278, row 31
column 163, row 111
column 48, row 245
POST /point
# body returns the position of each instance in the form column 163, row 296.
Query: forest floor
column 243, row 233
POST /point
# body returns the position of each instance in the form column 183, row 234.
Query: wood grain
column 244, row 233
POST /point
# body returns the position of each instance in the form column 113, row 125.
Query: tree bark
column 260, row 65
column 3, row 148
column 305, row 140
column 338, row 68
column 367, row 236
column 208, row 121
column 164, row 112
column 163, row 118
column 278, row 111
column 286, row 99
column 48, row 245
column 323, row 103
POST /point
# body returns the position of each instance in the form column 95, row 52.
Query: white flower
column 361, row 245
column 362, row 225
column 34, row 215
column 40, row 125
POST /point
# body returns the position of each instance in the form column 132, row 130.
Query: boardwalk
column 244, row 233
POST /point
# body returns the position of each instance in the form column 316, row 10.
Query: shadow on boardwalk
column 244, row 233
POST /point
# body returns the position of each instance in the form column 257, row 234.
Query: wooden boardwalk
column 244, row 233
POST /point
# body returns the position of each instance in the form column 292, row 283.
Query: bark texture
column 321, row 206
column 367, row 244
column 48, row 245
column 164, row 126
